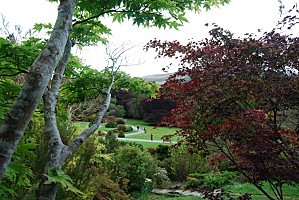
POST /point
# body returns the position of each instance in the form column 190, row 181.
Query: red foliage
column 233, row 94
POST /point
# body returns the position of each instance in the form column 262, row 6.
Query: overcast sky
column 239, row 16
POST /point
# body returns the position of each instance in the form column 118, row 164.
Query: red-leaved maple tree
column 240, row 98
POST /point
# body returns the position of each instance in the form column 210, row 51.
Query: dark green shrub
column 124, row 128
column 111, row 132
column 151, row 150
column 181, row 163
column 110, row 142
column 111, row 124
column 211, row 180
column 162, row 152
column 120, row 121
column 132, row 164
column 121, row 134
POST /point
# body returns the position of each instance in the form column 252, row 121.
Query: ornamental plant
column 239, row 97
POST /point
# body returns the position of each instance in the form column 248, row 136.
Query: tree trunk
column 17, row 119
column 48, row 191
column 58, row 152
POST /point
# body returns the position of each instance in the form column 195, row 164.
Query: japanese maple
column 240, row 98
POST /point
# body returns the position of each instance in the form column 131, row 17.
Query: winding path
column 141, row 131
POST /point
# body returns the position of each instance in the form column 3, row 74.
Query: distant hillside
column 158, row 78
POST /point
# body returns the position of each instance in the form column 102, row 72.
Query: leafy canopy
column 239, row 97
column 88, row 29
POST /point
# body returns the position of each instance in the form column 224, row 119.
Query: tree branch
column 52, row 132
column 72, row 148
column 17, row 119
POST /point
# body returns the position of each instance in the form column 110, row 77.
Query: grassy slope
column 157, row 132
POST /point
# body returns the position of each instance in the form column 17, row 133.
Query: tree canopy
column 80, row 19
column 239, row 97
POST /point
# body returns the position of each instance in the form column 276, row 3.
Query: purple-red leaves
column 234, row 95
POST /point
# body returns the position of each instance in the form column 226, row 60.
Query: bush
column 121, row 134
column 111, row 124
column 111, row 132
column 161, row 178
column 211, row 180
column 176, row 164
column 162, row 151
column 124, row 128
column 109, row 119
column 120, row 121
column 132, row 164
column 110, row 142
column 151, row 150
column 100, row 186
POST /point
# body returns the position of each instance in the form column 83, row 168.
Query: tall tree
column 239, row 97
column 17, row 119
column 86, row 30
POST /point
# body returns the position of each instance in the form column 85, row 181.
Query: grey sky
column 240, row 17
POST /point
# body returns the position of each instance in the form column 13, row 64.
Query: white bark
column 58, row 152
column 72, row 148
column 52, row 133
column 17, row 119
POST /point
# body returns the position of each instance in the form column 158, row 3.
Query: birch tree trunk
column 17, row 119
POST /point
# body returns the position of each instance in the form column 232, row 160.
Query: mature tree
column 18, row 117
column 155, row 109
column 58, row 151
column 85, row 30
column 15, row 59
column 240, row 97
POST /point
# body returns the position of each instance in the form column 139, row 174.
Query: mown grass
column 151, row 144
column 157, row 132
column 81, row 126
column 289, row 192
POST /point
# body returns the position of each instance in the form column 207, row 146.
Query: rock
column 176, row 192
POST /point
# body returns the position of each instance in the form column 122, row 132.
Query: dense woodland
column 234, row 102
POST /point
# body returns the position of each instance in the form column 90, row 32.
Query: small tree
column 237, row 96
column 155, row 109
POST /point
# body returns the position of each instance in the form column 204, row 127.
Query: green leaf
column 182, row 18
column 57, row 176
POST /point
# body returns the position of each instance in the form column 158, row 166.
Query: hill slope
column 158, row 78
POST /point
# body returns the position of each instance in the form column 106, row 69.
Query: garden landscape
column 225, row 125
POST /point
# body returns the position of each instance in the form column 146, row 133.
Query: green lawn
column 151, row 144
column 290, row 192
column 81, row 126
column 157, row 132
